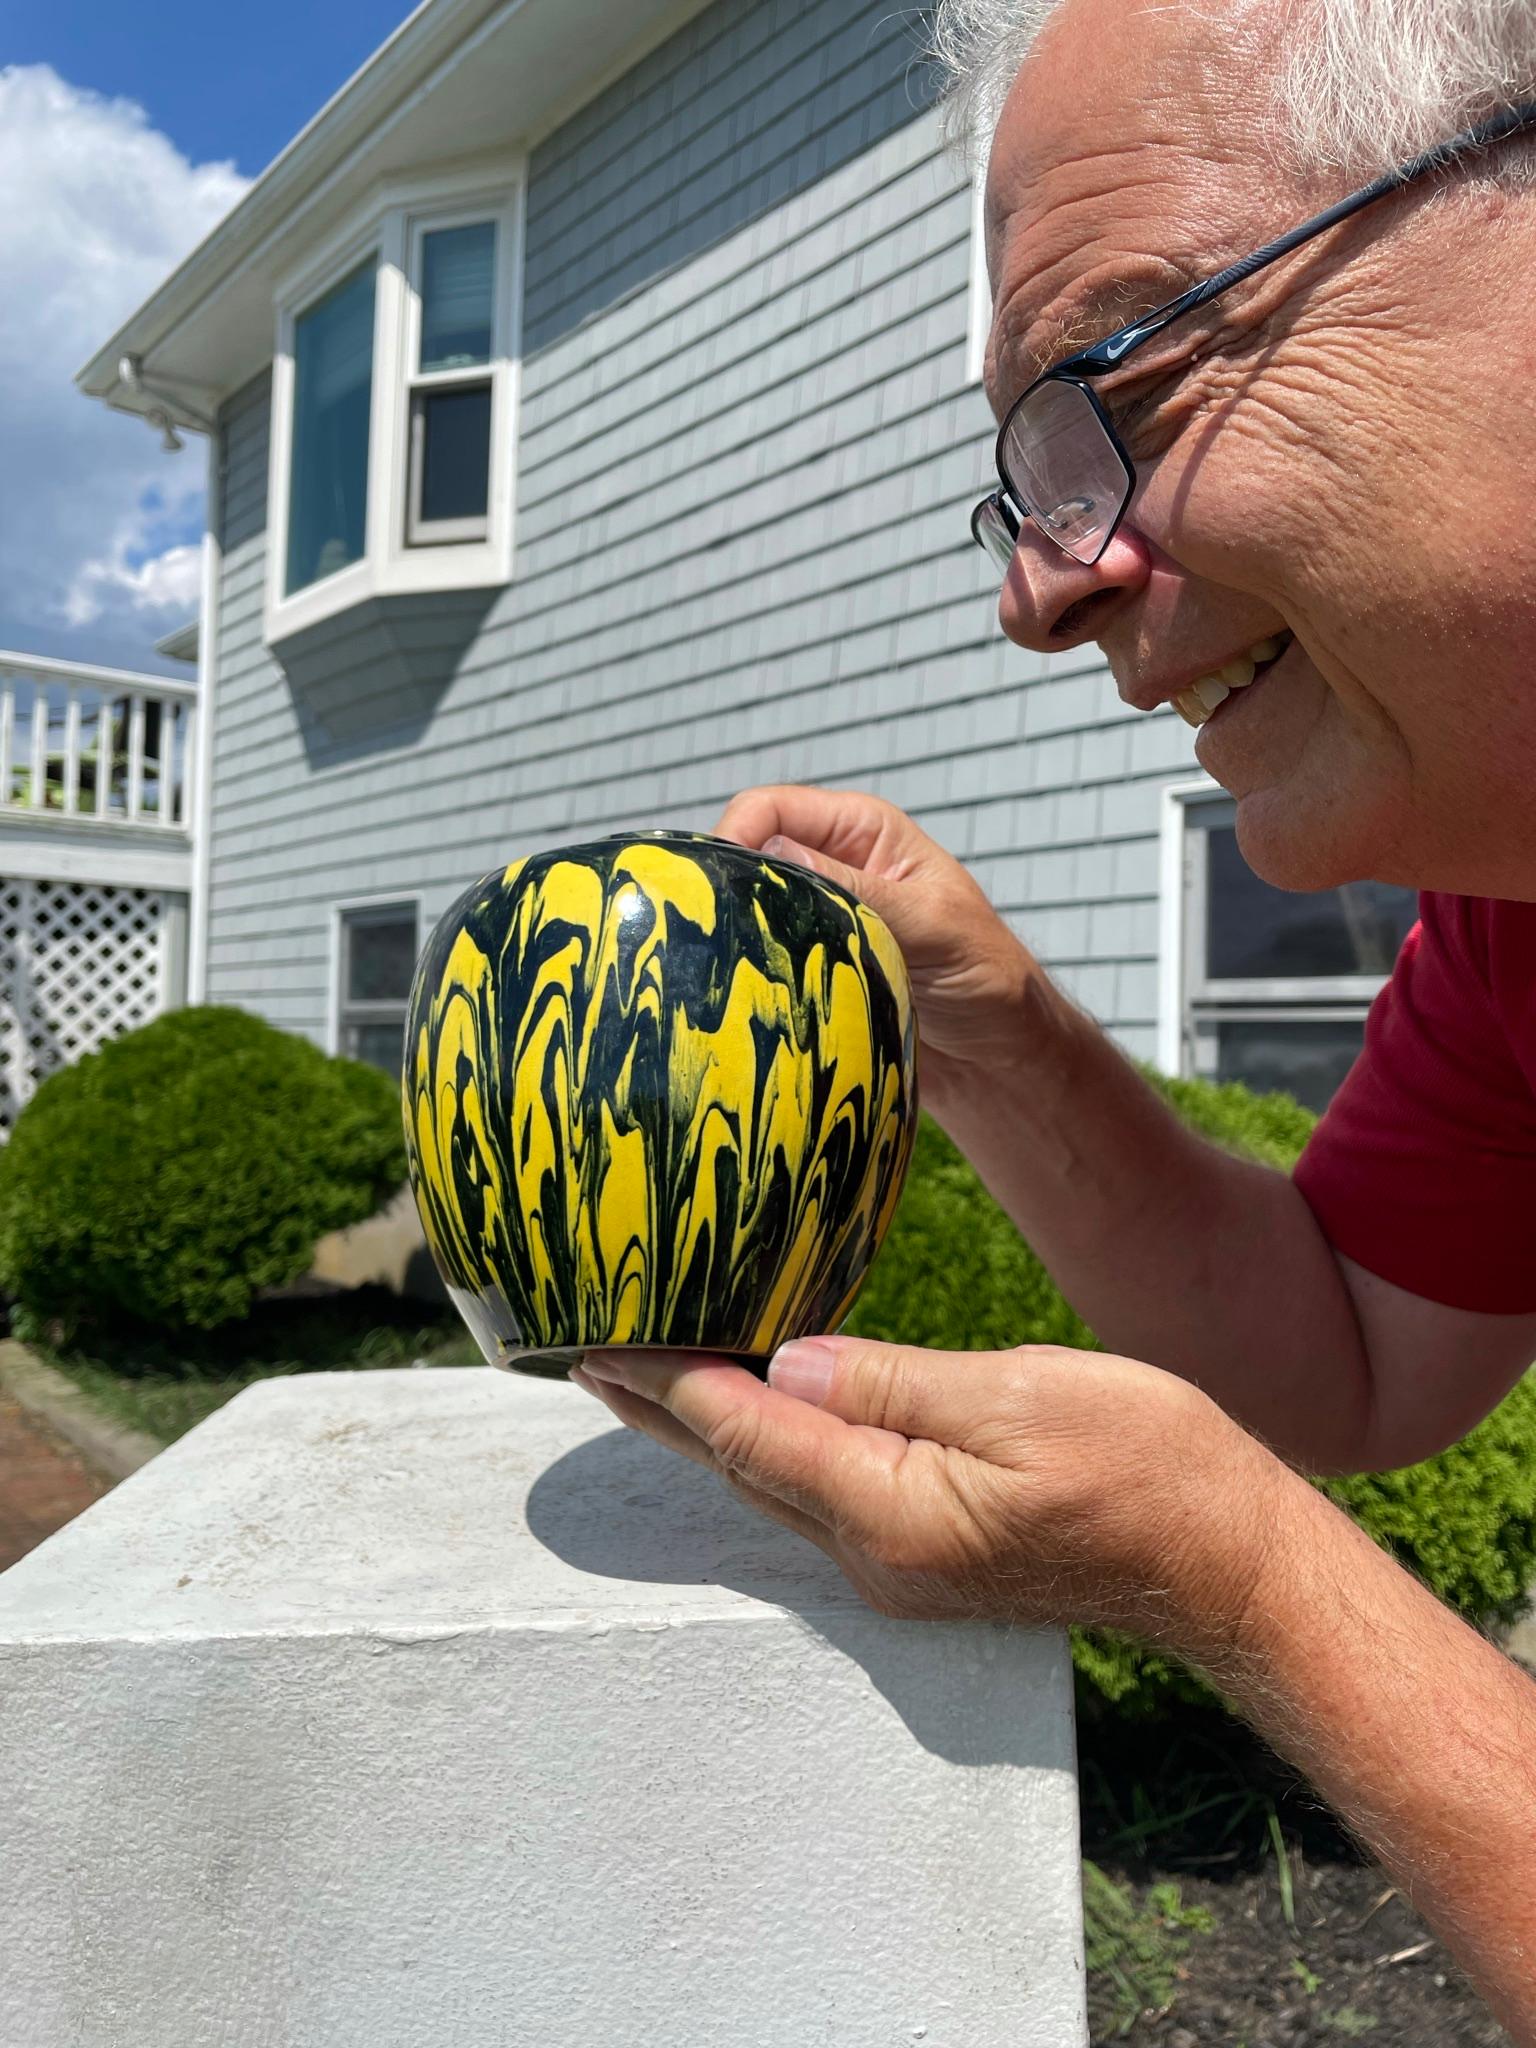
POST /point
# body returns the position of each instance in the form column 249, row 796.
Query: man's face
column 1346, row 460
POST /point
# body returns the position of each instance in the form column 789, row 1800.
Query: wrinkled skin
column 1023, row 1485
column 1349, row 457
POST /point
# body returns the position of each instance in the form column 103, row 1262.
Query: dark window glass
column 379, row 1044
column 1304, row 1057
column 455, row 452
column 1255, row 931
column 458, row 296
column 381, row 956
column 332, row 392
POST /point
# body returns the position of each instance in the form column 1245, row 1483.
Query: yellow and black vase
column 658, row 1090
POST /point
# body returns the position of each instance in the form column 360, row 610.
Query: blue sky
column 220, row 80
column 125, row 136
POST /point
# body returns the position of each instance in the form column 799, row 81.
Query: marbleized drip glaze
column 657, row 1091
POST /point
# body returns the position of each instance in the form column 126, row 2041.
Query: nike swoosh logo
column 1116, row 349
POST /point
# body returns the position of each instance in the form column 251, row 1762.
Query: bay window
column 393, row 406
column 332, row 389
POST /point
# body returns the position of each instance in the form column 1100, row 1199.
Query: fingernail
column 804, row 1369
column 780, row 848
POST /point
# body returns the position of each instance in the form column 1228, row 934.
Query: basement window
column 376, row 957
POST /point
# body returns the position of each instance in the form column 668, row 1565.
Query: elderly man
column 1294, row 504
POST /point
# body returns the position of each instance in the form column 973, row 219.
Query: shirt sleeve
column 1423, row 1169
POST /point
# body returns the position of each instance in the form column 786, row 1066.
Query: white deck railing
column 84, row 745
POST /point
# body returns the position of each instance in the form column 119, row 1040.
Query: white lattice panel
column 79, row 963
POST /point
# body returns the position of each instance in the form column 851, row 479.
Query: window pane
column 1256, row 931
column 1305, row 1058
column 455, row 442
column 380, row 956
column 458, row 294
column 379, row 1044
column 332, row 388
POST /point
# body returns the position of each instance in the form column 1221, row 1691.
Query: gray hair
column 1364, row 84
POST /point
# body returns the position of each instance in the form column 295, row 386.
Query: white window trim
column 980, row 320
column 390, row 228
column 390, row 899
column 1172, row 827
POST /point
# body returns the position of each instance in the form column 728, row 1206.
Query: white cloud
column 96, row 521
column 167, row 582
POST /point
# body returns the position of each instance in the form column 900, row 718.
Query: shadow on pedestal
column 681, row 1526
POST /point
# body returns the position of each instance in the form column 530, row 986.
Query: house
column 95, row 860
column 593, row 410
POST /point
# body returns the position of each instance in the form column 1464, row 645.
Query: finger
column 806, row 1457
column 844, row 825
column 979, row 1402
column 636, row 1412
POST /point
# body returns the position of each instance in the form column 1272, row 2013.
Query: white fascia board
column 117, row 855
column 382, row 119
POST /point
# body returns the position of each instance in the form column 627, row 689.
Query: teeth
column 1211, row 691
column 1196, row 703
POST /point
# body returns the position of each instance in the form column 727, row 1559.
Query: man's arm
column 1173, row 1250
column 1214, row 1267
column 1050, row 1485
column 1420, row 1734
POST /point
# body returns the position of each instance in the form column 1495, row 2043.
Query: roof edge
column 400, row 64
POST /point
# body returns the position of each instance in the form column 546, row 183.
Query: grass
column 165, row 1386
column 1134, row 1947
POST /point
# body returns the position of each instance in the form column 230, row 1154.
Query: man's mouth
column 1207, row 694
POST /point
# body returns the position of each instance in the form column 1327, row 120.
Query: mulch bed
column 1358, row 1964
column 1365, row 1970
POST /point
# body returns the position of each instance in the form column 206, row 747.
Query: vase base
column 555, row 1361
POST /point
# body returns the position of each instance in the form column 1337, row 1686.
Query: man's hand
column 1033, row 1485
column 1043, row 1485
column 972, row 980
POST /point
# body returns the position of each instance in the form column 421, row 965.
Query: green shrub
column 954, row 1275
column 164, row 1180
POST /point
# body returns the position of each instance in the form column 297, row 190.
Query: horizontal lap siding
column 747, row 455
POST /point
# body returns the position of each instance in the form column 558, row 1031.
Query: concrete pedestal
column 426, row 1709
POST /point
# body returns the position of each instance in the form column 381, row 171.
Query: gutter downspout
column 202, row 774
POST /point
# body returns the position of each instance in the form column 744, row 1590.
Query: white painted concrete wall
column 427, row 1710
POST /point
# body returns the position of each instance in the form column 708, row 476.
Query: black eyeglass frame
column 1010, row 504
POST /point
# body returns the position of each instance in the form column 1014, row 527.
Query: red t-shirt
column 1424, row 1168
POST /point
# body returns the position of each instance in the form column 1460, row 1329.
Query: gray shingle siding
column 747, row 454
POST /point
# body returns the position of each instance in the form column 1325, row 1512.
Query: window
column 394, row 393
column 332, row 391
column 1273, row 986
column 450, row 407
column 376, row 957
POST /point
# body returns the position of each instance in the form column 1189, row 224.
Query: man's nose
column 1051, row 601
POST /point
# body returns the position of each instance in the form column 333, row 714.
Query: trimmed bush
column 954, row 1275
column 163, row 1181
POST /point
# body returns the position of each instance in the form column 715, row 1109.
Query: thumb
column 946, row 1397
column 877, row 891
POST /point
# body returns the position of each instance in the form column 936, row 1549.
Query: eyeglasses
column 1060, row 460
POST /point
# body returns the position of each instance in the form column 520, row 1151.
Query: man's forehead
column 1118, row 169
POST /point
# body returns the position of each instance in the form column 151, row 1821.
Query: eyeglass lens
column 1063, row 469
column 996, row 533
